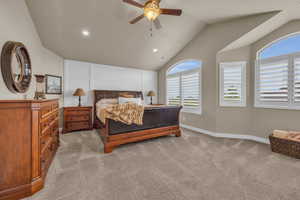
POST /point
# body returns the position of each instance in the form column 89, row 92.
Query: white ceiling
column 114, row 41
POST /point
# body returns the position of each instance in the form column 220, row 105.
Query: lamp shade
column 151, row 94
column 79, row 92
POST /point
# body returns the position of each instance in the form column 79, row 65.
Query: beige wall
column 17, row 25
column 251, row 120
column 265, row 120
column 235, row 119
column 247, row 120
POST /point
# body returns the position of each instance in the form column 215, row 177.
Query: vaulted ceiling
column 114, row 41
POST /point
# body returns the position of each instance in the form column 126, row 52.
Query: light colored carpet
column 192, row 167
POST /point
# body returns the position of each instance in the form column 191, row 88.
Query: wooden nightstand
column 77, row 118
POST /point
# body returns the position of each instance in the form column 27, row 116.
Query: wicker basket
column 284, row 146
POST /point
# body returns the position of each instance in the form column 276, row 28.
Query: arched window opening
column 278, row 74
column 287, row 45
column 184, row 85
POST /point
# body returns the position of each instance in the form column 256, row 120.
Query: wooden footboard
column 112, row 141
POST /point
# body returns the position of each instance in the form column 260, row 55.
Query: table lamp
column 79, row 93
column 151, row 94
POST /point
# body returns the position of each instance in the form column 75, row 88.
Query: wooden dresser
column 29, row 138
column 77, row 118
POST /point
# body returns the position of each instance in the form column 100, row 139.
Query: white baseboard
column 227, row 135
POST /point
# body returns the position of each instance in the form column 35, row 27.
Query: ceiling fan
column 152, row 11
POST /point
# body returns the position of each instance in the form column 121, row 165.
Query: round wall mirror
column 16, row 67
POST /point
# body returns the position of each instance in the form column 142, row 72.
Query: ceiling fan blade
column 135, row 20
column 175, row 12
column 134, row 3
column 157, row 24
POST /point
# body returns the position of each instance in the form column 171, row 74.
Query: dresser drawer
column 77, row 112
column 80, row 117
column 46, row 131
column 54, row 126
column 48, row 153
column 46, row 111
column 55, row 106
column 46, row 158
column 54, row 116
column 44, row 125
column 55, row 139
column 77, row 125
column 45, row 140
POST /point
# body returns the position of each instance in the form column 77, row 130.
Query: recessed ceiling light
column 155, row 50
column 85, row 32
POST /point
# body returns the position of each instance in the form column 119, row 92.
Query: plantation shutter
column 232, row 83
column 297, row 79
column 173, row 89
column 190, row 90
column 273, row 80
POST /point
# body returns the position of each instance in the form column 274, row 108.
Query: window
column 173, row 87
column 183, row 86
column 297, row 80
column 233, row 84
column 285, row 46
column 278, row 78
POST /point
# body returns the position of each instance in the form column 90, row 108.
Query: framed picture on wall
column 53, row 84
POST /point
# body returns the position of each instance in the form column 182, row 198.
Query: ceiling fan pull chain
column 151, row 29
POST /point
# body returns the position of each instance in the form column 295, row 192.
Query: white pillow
column 132, row 100
column 105, row 102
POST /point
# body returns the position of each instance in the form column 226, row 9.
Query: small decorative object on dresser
column 79, row 93
column 151, row 94
column 53, row 84
column 29, row 138
column 40, row 87
column 77, row 118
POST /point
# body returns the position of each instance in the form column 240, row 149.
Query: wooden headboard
column 109, row 94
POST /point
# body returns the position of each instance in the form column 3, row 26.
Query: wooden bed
column 157, row 121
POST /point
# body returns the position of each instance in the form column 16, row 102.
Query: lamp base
column 79, row 103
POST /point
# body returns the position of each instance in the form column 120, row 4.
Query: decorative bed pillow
column 105, row 102
column 126, row 95
column 132, row 100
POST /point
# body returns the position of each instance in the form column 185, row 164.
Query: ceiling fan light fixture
column 152, row 10
column 85, row 33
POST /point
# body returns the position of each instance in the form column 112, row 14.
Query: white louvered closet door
column 173, row 90
column 273, row 80
column 190, row 90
